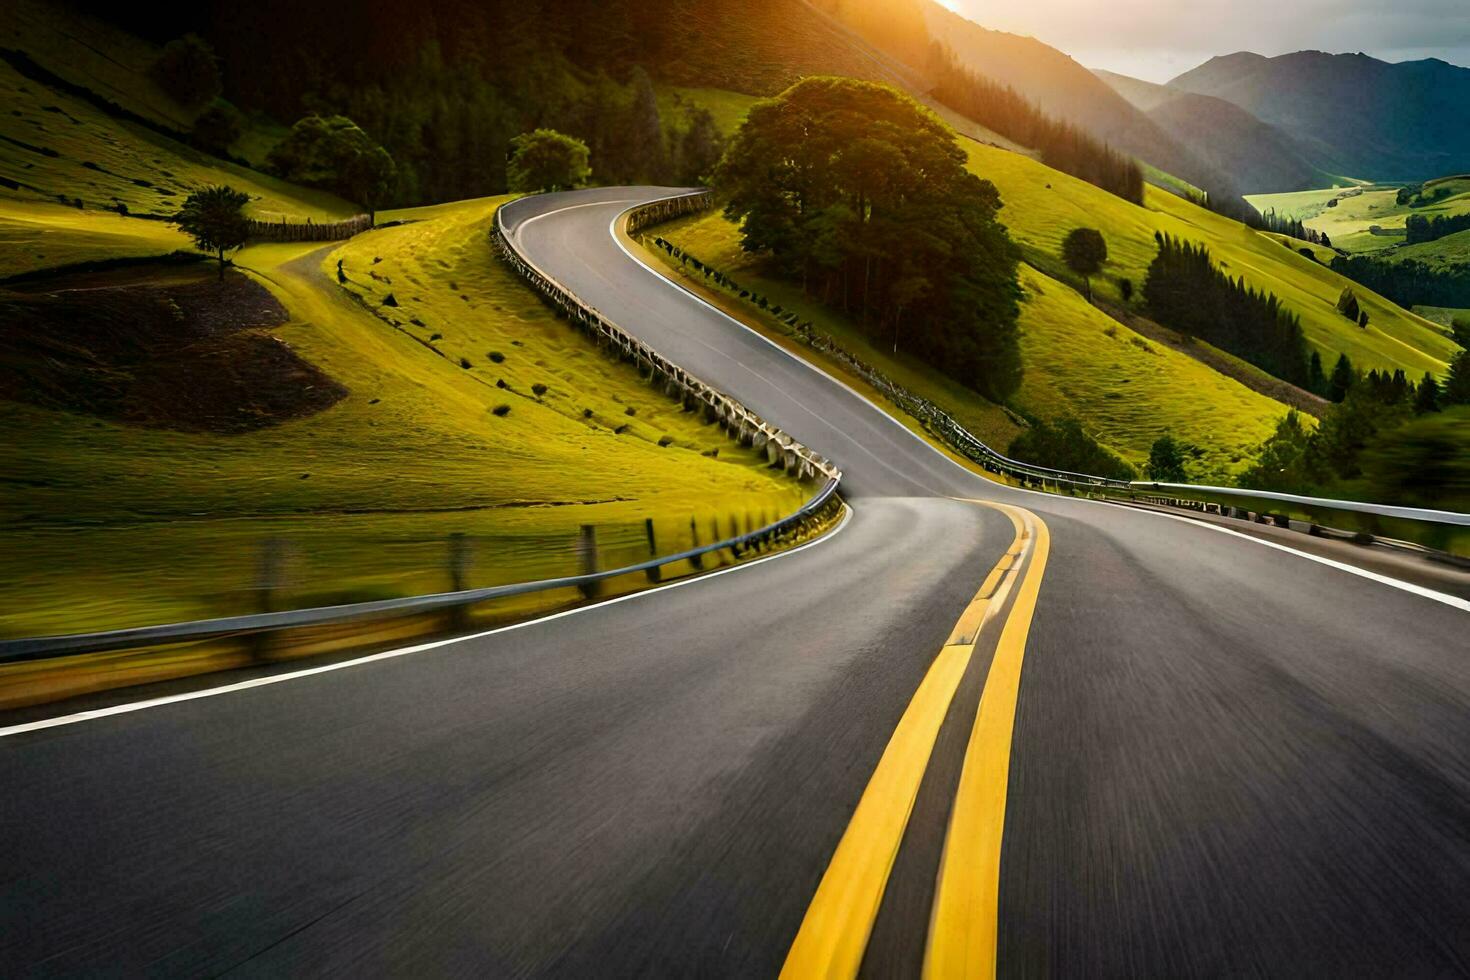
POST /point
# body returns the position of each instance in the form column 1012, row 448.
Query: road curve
column 1225, row 757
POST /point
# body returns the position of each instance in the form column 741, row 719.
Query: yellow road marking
column 963, row 929
column 834, row 933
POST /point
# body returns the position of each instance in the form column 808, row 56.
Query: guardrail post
column 654, row 573
column 698, row 560
column 459, row 566
column 269, row 576
column 587, row 552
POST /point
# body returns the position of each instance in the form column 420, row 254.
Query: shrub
column 630, row 410
column 188, row 71
column 666, row 441
column 464, row 362
column 501, row 411
column 538, row 389
column 495, row 357
column 1347, row 303
column 545, row 160
column 1066, row 446
column 218, row 127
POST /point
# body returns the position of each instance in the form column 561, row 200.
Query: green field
column 1041, row 206
column 37, row 235
column 1126, row 390
column 1351, row 222
column 109, row 525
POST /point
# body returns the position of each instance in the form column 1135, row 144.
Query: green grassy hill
column 124, row 525
column 56, row 146
column 134, row 517
column 1042, row 206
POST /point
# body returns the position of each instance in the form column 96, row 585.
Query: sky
column 1159, row 39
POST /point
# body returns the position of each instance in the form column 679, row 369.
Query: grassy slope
column 151, row 525
column 1127, row 390
column 130, row 164
column 36, row 235
column 1042, row 205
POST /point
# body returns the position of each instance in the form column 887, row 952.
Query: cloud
column 1160, row 38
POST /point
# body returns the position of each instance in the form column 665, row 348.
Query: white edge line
column 1449, row 600
column 210, row 692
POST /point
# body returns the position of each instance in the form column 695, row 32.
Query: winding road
column 974, row 730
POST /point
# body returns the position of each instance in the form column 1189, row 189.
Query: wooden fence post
column 587, row 552
column 654, row 573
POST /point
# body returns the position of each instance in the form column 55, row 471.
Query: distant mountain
column 1224, row 136
column 1064, row 89
column 1352, row 114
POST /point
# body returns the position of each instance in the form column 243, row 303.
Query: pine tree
column 1457, row 382
column 1427, row 397
column 1316, row 378
column 1342, row 379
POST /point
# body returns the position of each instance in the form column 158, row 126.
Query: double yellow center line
column 962, row 934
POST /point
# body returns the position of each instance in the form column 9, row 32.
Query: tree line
column 1186, row 292
column 1418, row 228
column 1385, row 439
column 1409, row 282
column 1290, row 227
column 861, row 195
column 1063, row 146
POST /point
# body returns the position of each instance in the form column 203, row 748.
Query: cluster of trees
column 545, row 160
column 1185, row 292
column 1347, row 305
column 862, row 195
column 1065, row 445
column 1062, row 145
column 333, row 153
column 1418, row 228
column 1386, row 439
column 1290, row 227
column 1409, row 282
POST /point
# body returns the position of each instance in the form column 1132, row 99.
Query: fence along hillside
column 308, row 231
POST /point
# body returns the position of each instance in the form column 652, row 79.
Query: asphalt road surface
column 1223, row 757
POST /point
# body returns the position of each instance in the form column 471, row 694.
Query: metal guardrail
column 43, row 647
column 741, row 423
column 1324, row 503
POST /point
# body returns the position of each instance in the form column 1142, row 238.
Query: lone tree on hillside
column 215, row 218
column 188, row 71
column 545, row 160
column 333, row 153
column 1347, row 303
column 1166, row 460
column 1085, row 251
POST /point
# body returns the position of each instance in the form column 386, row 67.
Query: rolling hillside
column 1223, row 135
column 161, row 426
column 1353, row 114
column 1041, row 206
column 1351, row 221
